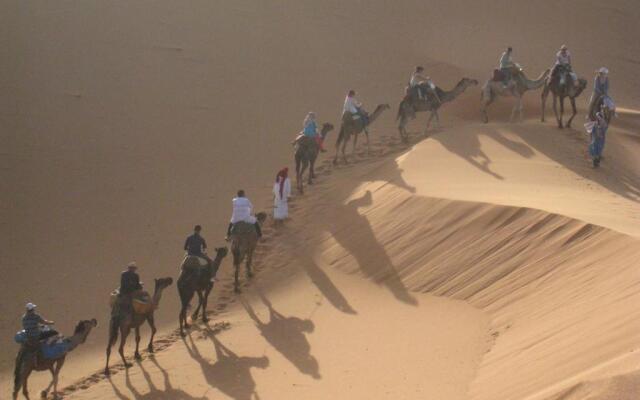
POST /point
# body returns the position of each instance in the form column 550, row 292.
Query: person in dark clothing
column 33, row 324
column 129, row 284
column 195, row 245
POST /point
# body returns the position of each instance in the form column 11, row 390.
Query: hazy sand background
column 124, row 124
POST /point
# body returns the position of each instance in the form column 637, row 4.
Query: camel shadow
column 370, row 255
column 469, row 150
column 230, row 373
column 287, row 336
column 154, row 393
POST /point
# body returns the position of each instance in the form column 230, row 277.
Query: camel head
column 162, row 283
column 261, row 217
column 221, row 252
column 326, row 128
column 84, row 327
column 466, row 82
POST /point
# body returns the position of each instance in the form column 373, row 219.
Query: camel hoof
column 128, row 365
column 236, row 289
column 150, row 349
column 43, row 394
column 107, row 372
column 137, row 356
column 183, row 334
column 205, row 319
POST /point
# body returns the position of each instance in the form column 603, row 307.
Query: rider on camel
column 423, row 85
column 243, row 212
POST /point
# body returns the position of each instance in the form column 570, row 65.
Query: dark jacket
column 195, row 245
column 129, row 282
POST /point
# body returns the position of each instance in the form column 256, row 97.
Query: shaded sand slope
column 553, row 298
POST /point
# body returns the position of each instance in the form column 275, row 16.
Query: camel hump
column 193, row 262
column 242, row 228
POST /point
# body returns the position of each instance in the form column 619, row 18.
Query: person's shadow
column 370, row 255
column 231, row 374
column 287, row 335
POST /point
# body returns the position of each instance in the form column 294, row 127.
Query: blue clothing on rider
column 310, row 129
column 598, row 135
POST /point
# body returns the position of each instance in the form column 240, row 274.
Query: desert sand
column 483, row 262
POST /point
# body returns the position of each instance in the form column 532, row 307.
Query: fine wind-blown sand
column 488, row 261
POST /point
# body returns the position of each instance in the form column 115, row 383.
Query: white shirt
column 242, row 209
column 351, row 105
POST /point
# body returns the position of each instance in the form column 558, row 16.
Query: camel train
column 197, row 275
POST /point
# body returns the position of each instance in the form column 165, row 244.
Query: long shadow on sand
column 154, row 393
column 287, row 336
column 230, row 373
column 370, row 255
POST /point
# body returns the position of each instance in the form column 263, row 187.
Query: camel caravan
column 44, row 349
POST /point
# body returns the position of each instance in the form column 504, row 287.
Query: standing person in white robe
column 281, row 193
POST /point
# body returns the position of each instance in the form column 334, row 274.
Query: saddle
column 242, row 228
column 194, row 262
column 498, row 75
column 141, row 301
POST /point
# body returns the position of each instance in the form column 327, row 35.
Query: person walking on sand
column 281, row 193
column 600, row 89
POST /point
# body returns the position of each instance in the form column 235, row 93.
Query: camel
column 244, row 240
column 492, row 89
column 410, row 105
column 26, row 365
column 350, row 127
column 306, row 154
column 197, row 279
column 135, row 320
column 562, row 90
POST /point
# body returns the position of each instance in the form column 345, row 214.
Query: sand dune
column 488, row 261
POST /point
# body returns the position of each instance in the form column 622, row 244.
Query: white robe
column 280, row 203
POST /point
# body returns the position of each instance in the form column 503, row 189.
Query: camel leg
column 25, row 379
column 205, row 299
column 543, row 98
column 137, row 355
column 56, row 375
column 236, row 284
column 298, row 174
column 45, row 392
column 402, row 128
column 483, row 109
column 555, row 111
column 574, row 111
column 437, row 115
column 305, row 165
column 344, row 151
column 113, row 332
column 248, row 264
column 560, row 125
column 194, row 316
column 124, row 332
column 520, row 109
column 366, row 134
column 355, row 143
column 152, row 324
